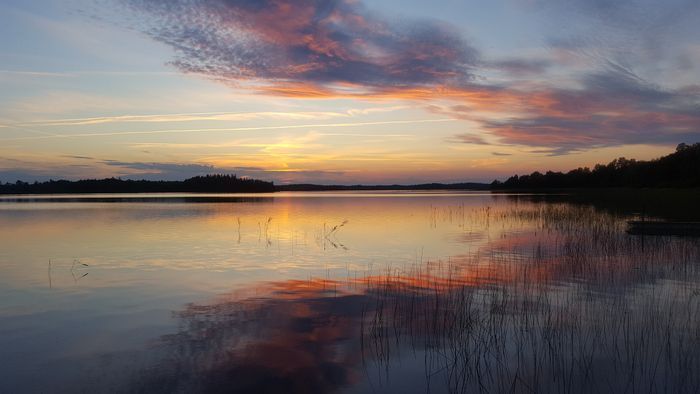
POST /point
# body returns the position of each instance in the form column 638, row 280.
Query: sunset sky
column 342, row 91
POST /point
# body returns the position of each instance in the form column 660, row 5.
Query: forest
column 217, row 183
column 680, row 169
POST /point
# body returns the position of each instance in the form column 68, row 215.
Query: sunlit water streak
column 341, row 292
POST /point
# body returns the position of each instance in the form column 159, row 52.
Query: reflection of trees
column 669, row 204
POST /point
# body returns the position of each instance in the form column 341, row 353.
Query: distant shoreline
column 220, row 184
column 275, row 189
column 470, row 186
column 424, row 186
column 678, row 170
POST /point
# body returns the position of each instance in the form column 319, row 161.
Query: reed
column 557, row 299
column 588, row 309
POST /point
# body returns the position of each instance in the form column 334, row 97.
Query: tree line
column 679, row 169
column 218, row 183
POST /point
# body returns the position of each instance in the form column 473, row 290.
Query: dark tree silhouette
column 678, row 169
column 218, row 183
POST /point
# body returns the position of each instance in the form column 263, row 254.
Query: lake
column 350, row 292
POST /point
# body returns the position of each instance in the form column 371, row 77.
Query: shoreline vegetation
column 678, row 170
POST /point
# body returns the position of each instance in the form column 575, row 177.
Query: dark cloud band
column 319, row 43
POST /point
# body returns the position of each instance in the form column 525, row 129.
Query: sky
column 342, row 91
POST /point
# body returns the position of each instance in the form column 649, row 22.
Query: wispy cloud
column 81, row 167
column 469, row 138
column 33, row 74
column 314, row 45
column 232, row 129
column 165, row 171
column 186, row 117
column 609, row 108
column 205, row 116
column 521, row 67
column 179, row 171
column 643, row 33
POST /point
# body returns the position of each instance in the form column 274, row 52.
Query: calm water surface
column 341, row 292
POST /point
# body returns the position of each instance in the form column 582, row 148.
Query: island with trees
column 199, row 184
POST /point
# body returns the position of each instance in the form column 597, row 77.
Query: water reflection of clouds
column 321, row 335
column 299, row 337
column 411, row 263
